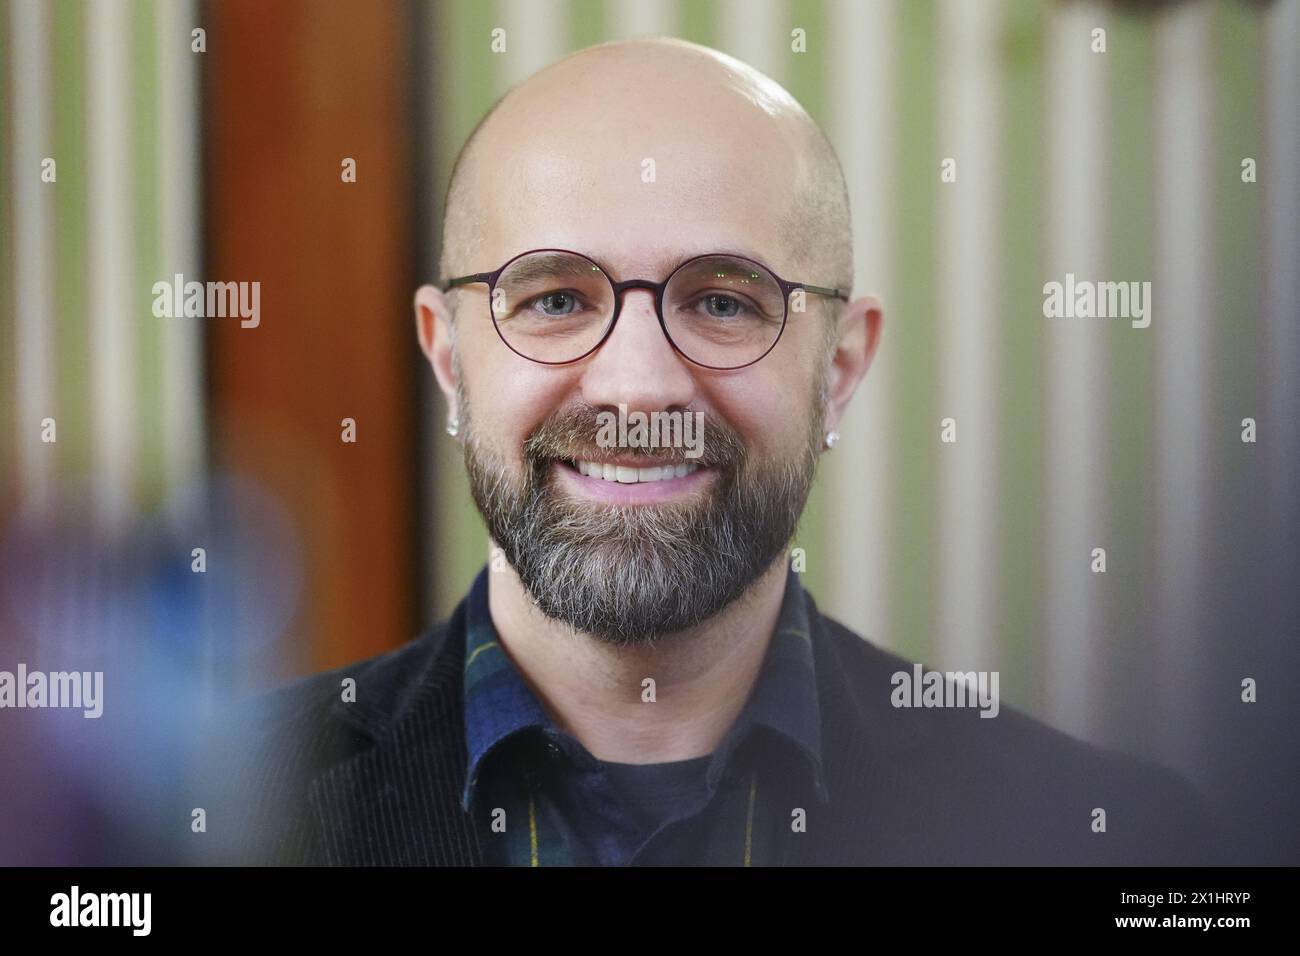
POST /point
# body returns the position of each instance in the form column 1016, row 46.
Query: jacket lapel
column 394, row 799
column 864, row 739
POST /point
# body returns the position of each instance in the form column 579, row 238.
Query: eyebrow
column 669, row 263
column 539, row 266
column 554, row 264
column 733, row 260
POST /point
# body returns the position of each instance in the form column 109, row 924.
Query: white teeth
column 629, row 476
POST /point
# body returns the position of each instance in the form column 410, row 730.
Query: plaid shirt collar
column 499, row 703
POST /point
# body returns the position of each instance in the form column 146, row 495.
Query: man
column 651, row 228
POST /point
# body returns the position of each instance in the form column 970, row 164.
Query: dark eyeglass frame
column 657, row 288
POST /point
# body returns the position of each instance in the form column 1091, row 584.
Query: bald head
column 563, row 157
column 642, row 154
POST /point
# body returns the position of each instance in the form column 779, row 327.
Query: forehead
column 638, row 189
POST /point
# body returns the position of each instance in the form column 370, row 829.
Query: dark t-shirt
column 617, row 807
column 581, row 811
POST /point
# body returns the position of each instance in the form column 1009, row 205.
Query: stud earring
column 831, row 439
column 453, row 427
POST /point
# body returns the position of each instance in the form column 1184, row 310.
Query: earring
column 453, row 426
column 832, row 438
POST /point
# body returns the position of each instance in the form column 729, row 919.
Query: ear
column 433, row 328
column 857, row 339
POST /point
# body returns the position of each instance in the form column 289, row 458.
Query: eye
column 719, row 305
column 557, row 304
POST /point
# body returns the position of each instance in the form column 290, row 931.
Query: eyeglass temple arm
column 465, row 280
column 821, row 290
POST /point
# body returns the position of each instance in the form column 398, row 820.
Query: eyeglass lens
column 720, row 311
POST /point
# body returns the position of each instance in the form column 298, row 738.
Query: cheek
column 769, row 412
column 772, row 403
column 509, row 402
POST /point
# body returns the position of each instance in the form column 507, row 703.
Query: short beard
column 629, row 575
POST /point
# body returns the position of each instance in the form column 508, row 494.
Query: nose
column 637, row 366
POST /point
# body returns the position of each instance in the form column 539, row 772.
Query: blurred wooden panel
column 292, row 88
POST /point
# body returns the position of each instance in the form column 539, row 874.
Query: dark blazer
column 299, row 777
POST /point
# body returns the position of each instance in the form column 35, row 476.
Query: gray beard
column 628, row 575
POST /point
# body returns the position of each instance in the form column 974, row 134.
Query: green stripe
column 1124, row 635
column 1019, row 619
column 915, row 412
column 699, row 22
column 71, row 305
column 145, row 177
column 1238, row 254
column 588, row 23
column 468, row 74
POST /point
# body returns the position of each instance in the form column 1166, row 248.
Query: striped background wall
column 1116, row 166
column 109, row 91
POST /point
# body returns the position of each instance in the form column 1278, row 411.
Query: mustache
column 570, row 433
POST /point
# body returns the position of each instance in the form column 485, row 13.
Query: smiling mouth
column 629, row 474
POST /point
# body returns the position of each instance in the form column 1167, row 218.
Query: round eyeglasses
column 717, row 310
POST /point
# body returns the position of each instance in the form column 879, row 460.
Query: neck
column 703, row 675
